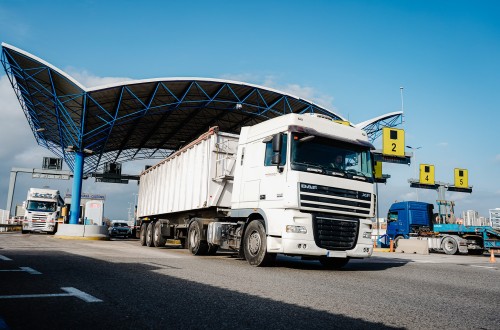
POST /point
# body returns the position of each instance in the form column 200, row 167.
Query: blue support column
column 76, row 191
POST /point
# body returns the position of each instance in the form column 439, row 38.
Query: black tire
column 449, row 245
column 212, row 249
column 396, row 240
column 196, row 245
column 334, row 263
column 149, row 234
column 158, row 239
column 142, row 234
column 255, row 245
column 24, row 231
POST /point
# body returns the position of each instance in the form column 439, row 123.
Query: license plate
column 336, row 254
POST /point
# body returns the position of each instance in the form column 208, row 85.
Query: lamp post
column 415, row 161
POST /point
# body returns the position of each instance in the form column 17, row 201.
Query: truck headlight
column 367, row 234
column 296, row 229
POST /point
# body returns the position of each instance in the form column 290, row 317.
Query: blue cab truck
column 416, row 219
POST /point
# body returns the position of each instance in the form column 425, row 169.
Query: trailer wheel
column 334, row 263
column 142, row 234
column 158, row 239
column 196, row 245
column 449, row 245
column 255, row 245
column 149, row 234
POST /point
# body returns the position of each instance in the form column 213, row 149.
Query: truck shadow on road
column 137, row 296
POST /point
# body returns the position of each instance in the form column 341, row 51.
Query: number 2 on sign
column 394, row 147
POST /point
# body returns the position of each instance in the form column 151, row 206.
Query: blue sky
column 350, row 56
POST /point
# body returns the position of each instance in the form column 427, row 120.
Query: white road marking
column 23, row 269
column 488, row 267
column 4, row 258
column 31, row 270
column 71, row 292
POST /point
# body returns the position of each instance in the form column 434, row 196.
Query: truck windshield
column 41, row 206
column 330, row 157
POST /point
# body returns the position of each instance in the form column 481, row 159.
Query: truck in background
column 273, row 189
column 42, row 210
column 416, row 220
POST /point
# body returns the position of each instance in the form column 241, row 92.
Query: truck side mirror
column 277, row 145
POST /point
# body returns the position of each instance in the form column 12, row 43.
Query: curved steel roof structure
column 139, row 119
column 135, row 119
column 373, row 127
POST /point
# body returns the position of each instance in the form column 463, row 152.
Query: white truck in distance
column 274, row 189
column 42, row 209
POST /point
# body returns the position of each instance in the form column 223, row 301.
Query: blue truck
column 416, row 219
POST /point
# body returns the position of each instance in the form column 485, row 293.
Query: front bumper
column 304, row 244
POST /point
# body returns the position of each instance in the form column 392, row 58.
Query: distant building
column 495, row 218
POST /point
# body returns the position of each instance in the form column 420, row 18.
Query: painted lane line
column 487, row 267
column 71, row 292
column 23, row 269
column 31, row 270
column 80, row 294
column 4, row 258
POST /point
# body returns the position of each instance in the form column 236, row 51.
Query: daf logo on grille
column 308, row 186
column 365, row 195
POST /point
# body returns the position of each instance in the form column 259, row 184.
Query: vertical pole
column 10, row 194
column 376, row 216
column 76, row 191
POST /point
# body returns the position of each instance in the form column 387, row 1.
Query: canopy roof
column 135, row 119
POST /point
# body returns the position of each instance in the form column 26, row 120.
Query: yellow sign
column 426, row 174
column 393, row 141
column 378, row 170
column 461, row 178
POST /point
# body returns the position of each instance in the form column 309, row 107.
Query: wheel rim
column 448, row 245
column 254, row 243
column 193, row 238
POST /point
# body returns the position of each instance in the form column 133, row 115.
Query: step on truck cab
column 299, row 185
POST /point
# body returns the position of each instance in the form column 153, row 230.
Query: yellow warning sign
column 426, row 174
column 393, row 141
column 461, row 178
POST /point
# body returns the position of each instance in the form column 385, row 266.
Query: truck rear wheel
column 149, row 234
column 255, row 245
column 142, row 234
column 449, row 245
column 196, row 245
column 158, row 239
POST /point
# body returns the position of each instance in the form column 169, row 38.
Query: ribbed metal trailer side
column 196, row 177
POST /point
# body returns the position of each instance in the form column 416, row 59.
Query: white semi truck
column 42, row 210
column 300, row 185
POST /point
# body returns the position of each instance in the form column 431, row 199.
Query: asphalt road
column 52, row 283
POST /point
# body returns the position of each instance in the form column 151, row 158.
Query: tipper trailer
column 416, row 220
column 273, row 189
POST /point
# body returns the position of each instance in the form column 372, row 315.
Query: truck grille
column 335, row 234
column 327, row 199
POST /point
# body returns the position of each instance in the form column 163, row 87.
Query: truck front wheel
column 255, row 245
column 449, row 245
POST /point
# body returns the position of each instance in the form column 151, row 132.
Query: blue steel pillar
column 76, row 191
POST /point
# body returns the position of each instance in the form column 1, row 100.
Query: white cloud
column 304, row 92
column 442, row 144
column 88, row 79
